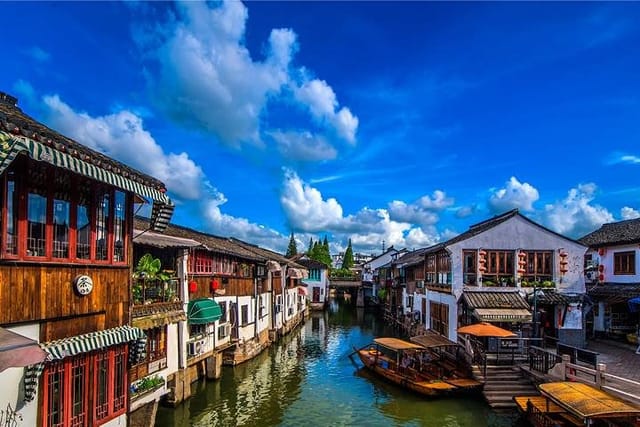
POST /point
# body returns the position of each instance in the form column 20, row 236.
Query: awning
column 485, row 330
column 432, row 339
column 162, row 241
column 502, row 314
column 202, row 311
column 162, row 205
column 81, row 344
column 17, row 350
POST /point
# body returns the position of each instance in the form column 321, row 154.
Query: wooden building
column 65, row 266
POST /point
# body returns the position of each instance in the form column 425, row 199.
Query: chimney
column 7, row 99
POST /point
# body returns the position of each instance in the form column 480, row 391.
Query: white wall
column 607, row 260
column 518, row 233
column 12, row 380
column 264, row 322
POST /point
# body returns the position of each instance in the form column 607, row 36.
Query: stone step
column 510, row 387
column 508, row 394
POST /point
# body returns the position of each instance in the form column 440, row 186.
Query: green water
column 307, row 379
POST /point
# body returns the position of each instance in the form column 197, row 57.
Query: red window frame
column 22, row 190
column 69, row 400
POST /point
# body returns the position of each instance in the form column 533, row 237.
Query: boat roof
column 397, row 344
column 432, row 339
column 586, row 401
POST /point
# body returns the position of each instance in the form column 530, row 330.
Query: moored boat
column 576, row 404
column 411, row 366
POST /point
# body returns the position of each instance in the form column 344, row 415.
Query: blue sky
column 375, row 121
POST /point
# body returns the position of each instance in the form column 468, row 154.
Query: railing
column 538, row 417
column 438, row 287
column 511, row 350
column 542, row 360
column 155, row 291
column 344, row 277
column 578, row 354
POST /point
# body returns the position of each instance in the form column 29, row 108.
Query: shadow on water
column 308, row 379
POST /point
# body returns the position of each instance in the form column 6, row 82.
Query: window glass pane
column 102, row 225
column 37, row 221
column 55, row 393
column 12, row 215
column 83, row 220
column 120, row 387
column 78, row 384
column 119, row 225
column 61, row 216
column 102, row 385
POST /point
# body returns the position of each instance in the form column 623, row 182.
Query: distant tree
column 292, row 250
column 347, row 261
column 320, row 252
column 310, row 250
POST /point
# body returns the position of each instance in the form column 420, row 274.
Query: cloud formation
column 575, row 215
column 233, row 91
column 514, row 195
column 122, row 136
column 629, row 213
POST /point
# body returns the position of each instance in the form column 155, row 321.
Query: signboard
column 83, row 284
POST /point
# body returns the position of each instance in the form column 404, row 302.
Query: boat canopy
column 397, row 344
column 485, row 330
column 432, row 339
column 586, row 401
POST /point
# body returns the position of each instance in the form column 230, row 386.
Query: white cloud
column 322, row 103
column 38, row 54
column 203, row 76
column 629, row 213
column 401, row 225
column 303, row 146
column 122, row 136
column 437, row 202
column 466, row 211
column 403, row 212
column 305, row 208
column 575, row 215
column 514, row 195
column 223, row 224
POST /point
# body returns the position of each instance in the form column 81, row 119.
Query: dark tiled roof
column 266, row 253
column 14, row 121
column 214, row 243
column 411, row 258
column 494, row 299
column 489, row 224
column 614, row 292
column 613, row 233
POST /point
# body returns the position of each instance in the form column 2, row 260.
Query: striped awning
column 11, row 146
column 81, row 344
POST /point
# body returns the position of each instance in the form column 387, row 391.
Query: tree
column 292, row 250
column 310, row 250
column 347, row 261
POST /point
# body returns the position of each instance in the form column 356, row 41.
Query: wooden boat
column 410, row 365
column 447, row 355
column 576, row 404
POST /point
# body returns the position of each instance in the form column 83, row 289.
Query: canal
column 308, row 379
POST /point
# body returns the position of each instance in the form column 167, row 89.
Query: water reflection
column 308, row 379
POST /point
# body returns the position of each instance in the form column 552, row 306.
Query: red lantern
column 601, row 277
column 601, row 268
column 214, row 285
column 601, row 251
column 193, row 286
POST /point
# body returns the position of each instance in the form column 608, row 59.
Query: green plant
column 147, row 383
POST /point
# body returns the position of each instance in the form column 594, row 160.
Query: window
column 71, row 385
column 469, row 266
column 53, row 215
column 244, row 314
column 223, row 308
column 431, row 269
column 538, row 267
column 197, row 330
column 439, row 317
column 314, row 274
column 499, row 269
column 156, row 343
column 624, row 263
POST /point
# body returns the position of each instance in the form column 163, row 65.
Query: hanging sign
column 83, row 284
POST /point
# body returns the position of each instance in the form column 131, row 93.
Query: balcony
column 438, row 287
column 154, row 291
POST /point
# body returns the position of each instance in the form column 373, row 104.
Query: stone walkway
column 621, row 358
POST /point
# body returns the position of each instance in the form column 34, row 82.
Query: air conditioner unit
column 419, row 283
column 591, row 276
column 195, row 348
column 224, row 330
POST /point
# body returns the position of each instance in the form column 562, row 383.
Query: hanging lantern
column 601, row 268
column 601, row 277
column 602, row 251
column 193, row 286
column 214, row 285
